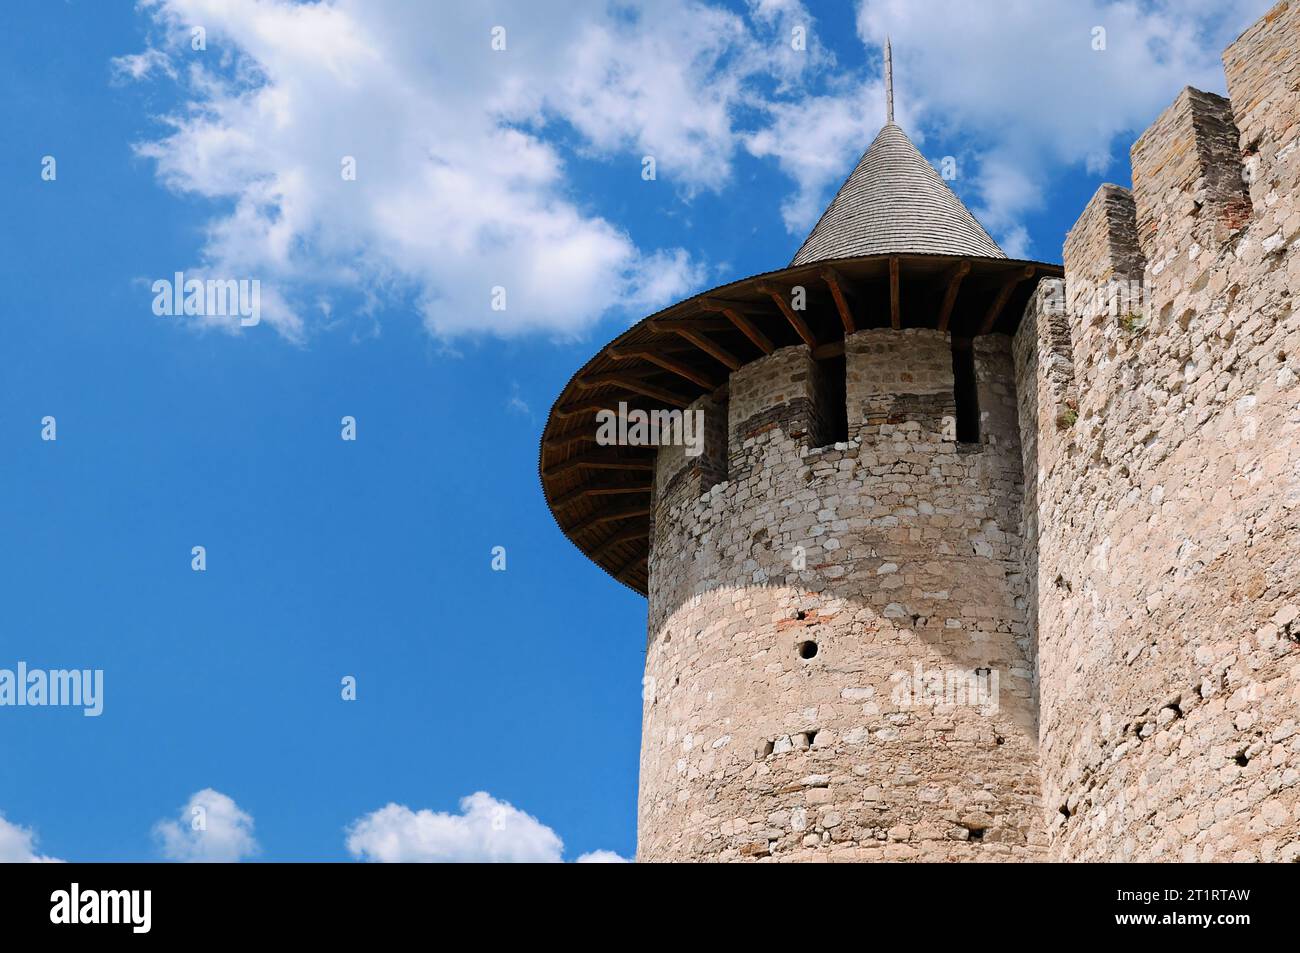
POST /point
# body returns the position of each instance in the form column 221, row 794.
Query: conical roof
column 895, row 203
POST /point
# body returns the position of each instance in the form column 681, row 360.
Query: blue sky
column 372, row 558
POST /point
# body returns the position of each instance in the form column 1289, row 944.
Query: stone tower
column 965, row 561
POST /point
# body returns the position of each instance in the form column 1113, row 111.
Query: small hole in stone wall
column 1241, row 758
column 1065, row 811
column 976, row 833
column 998, row 739
column 801, row 615
column 807, row 650
column 812, row 736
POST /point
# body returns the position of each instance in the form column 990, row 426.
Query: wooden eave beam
column 798, row 323
column 634, row 384
column 568, row 440
column 602, row 461
column 634, row 563
column 711, row 347
column 1009, row 284
column 960, row 271
column 835, row 281
column 831, row 349
column 690, row 324
column 608, row 516
column 628, row 535
column 609, row 490
column 742, row 323
column 579, row 410
column 664, row 361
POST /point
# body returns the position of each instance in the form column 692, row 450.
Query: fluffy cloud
column 457, row 191
column 210, row 828
column 601, row 857
column 485, row 831
column 18, row 845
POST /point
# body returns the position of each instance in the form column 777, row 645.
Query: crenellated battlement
column 1162, row 473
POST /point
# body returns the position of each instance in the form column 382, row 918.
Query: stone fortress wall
column 1166, row 476
column 1119, row 548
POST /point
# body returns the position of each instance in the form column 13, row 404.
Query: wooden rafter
column 597, row 460
column 958, row 272
column 613, row 489
column 1008, row 285
column 633, row 383
column 602, row 516
column 796, row 321
column 894, row 320
column 746, row 326
column 634, row 563
column 835, row 281
column 665, row 361
column 558, row 442
column 711, row 347
column 628, row 534
column 691, row 324
column 587, row 408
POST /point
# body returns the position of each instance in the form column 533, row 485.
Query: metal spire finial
column 889, row 83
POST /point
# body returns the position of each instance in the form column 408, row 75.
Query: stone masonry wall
column 896, row 553
column 1164, row 485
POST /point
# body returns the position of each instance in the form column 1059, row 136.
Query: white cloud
column 601, row 857
column 516, row 404
column 210, row 828
column 457, row 191
column 485, row 831
column 18, row 845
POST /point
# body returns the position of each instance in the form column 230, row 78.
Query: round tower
column 815, row 475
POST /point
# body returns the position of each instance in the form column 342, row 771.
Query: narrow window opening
column 834, row 407
column 714, row 460
column 964, row 392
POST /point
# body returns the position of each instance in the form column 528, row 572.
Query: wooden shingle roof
column 895, row 203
